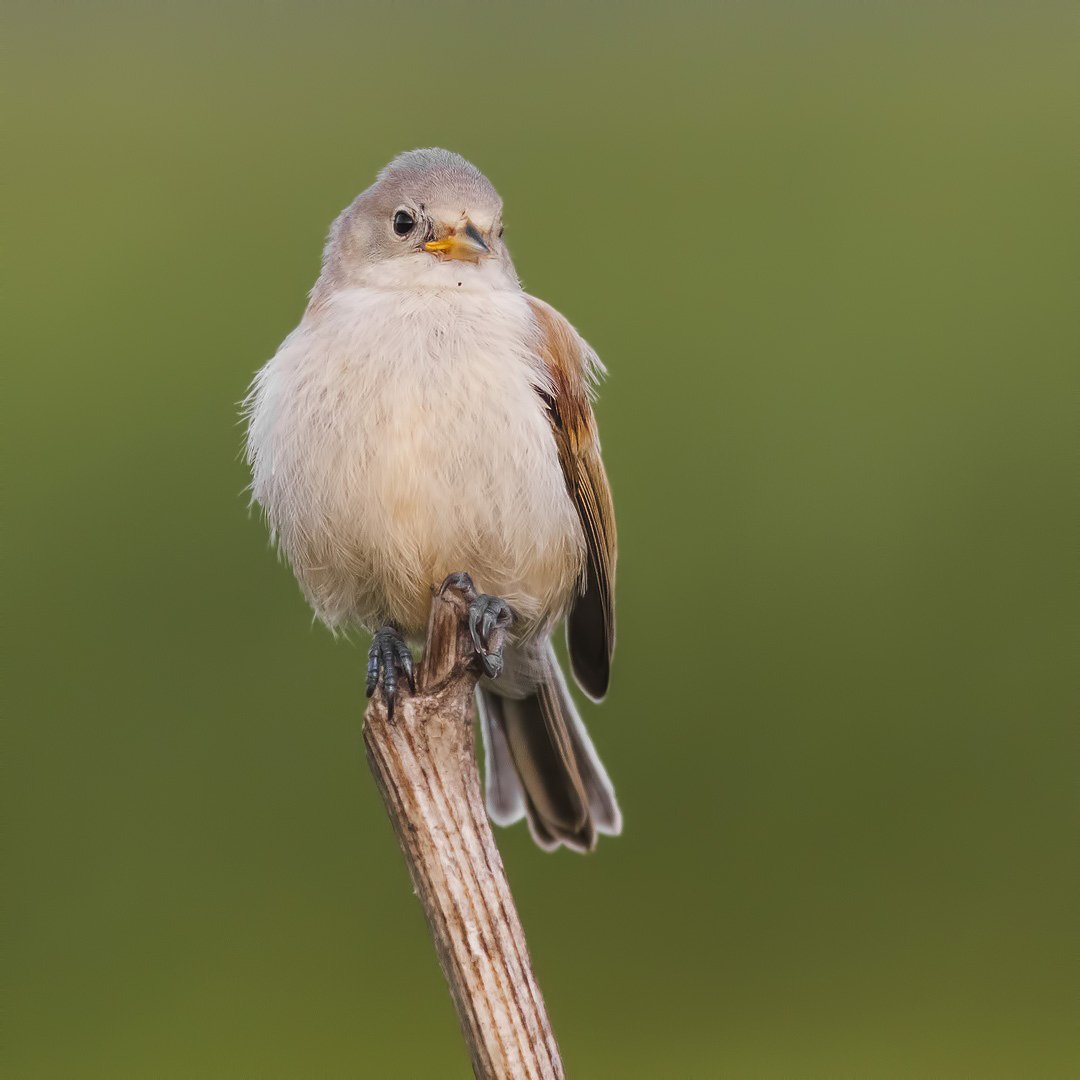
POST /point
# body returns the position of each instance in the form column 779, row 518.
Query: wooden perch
column 425, row 766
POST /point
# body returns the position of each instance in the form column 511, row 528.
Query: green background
column 828, row 252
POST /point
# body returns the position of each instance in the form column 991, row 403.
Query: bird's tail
column 539, row 760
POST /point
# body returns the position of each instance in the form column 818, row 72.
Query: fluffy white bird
column 428, row 418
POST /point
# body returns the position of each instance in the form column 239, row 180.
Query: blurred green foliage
column 827, row 251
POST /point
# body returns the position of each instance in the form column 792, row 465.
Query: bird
column 429, row 424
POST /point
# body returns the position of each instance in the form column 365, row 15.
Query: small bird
column 428, row 421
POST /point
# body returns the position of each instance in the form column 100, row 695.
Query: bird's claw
column 388, row 655
column 489, row 619
column 462, row 582
column 486, row 615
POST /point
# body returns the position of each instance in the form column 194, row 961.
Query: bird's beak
column 462, row 242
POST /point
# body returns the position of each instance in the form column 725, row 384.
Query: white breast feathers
column 398, row 435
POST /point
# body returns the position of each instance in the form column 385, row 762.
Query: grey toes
column 489, row 619
column 388, row 656
column 460, row 581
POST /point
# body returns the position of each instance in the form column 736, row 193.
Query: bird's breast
column 416, row 443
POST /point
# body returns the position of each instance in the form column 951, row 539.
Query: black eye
column 502, row 229
column 404, row 223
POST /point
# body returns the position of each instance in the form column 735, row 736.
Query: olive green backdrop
column 828, row 252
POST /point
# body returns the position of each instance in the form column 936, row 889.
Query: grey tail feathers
column 540, row 763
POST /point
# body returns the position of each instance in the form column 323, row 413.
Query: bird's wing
column 573, row 369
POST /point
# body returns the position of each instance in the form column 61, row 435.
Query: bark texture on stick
column 425, row 766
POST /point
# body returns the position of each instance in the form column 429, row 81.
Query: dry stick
column 425, row 766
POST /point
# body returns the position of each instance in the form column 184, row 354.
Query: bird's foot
column 389, row 655
column 489, row 619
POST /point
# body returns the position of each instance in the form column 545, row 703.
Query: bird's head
column 430, row 219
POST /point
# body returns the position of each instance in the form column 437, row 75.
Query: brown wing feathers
column 590, row 627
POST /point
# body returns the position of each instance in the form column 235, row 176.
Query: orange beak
column 464, row 242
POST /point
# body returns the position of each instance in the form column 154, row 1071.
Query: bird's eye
column 502, row 229
column 404, row 223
